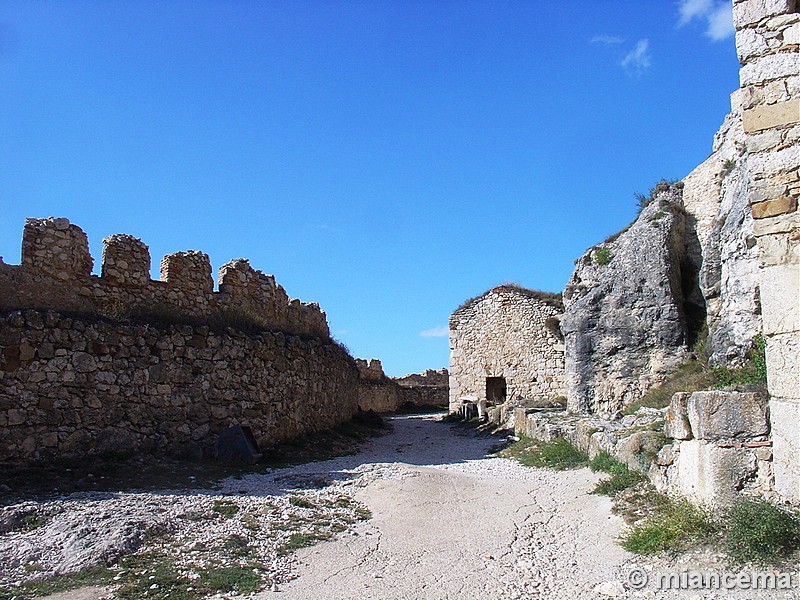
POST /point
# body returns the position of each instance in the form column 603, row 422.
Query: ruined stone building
column 506, row 350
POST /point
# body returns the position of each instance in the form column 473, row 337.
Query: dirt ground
column 449, row 521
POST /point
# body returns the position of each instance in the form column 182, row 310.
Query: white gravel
column 449, row 522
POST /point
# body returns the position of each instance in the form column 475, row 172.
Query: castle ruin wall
column 55, row 274
column 120, row 363
column 71, row 387
column 768, row 46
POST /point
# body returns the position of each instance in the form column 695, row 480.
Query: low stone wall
column 710, row 447
column 719, row 447
column 71, row 387
column 385, row 395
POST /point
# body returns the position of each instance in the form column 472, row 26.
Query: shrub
column 757, row 531
column 679, row 526
column 641, row 202
column 602, row 256
column 753, row 373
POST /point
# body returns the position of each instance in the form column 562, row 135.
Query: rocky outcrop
column 631, row 308
column 715, row 197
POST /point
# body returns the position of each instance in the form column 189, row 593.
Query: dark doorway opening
column 495, row 390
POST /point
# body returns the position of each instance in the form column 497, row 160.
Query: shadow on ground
column 312, row 462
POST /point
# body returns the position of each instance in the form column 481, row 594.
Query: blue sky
column 386, row 159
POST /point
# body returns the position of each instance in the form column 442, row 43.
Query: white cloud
column 692, row 9
column 436, row 332
column 606, row 40
column 720, row 23
column 638, row 59
column 717, row 14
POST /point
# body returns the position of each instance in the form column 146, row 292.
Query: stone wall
column 711, row 447
column 120, row 363
column 71, row 387
column 383, row 394
column 768, row 45
column 506, row 350
column 55, row 274
column 719, row 447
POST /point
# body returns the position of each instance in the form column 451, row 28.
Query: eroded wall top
column 55, row 274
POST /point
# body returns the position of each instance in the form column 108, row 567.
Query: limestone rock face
column 626, row 304
column 715, row 196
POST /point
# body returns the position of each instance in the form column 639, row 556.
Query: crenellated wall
column 55, row 274
column 121, row 363
column 768, row 45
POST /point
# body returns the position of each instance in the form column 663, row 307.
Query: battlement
column 55, row 273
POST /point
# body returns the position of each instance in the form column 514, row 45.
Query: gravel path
column 448, row 522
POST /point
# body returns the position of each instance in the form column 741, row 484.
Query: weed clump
column 697, row 374
column 621, row 476
column 679, row 526
column 602, row 256
column 756, row 531
column 556, row 454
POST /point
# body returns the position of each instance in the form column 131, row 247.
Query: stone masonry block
column 750, row 12
column 771, row 115
column 768, row 68
column 791, row 35
column 786, row 447
column 676, row 419
column 719, row 415
column 772, row 208
column 750, row 43
column 766, row 189
column 778, row 248
column 780, row 298
column 768, row 164
column 766, row 140
column 783, row 366
column 710, row 475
